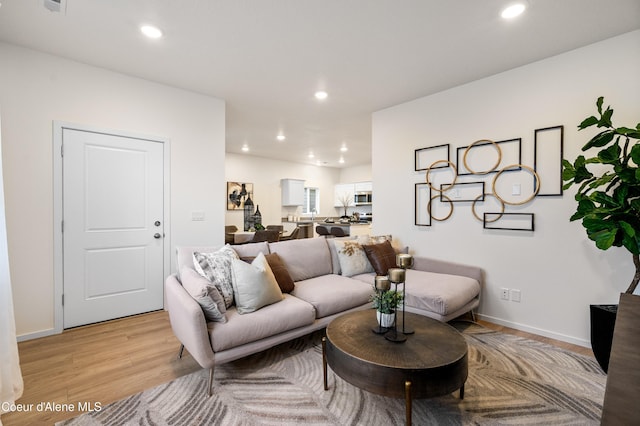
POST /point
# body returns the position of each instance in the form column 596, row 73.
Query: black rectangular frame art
column 504, row 162
column 445, row 190
column 492, row 218
column 237, row 193
column 422, row 200
column 423, row 159
column 548, row 162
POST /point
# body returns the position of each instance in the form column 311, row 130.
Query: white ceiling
column 266, row 58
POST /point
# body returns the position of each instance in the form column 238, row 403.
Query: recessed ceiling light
column 321, row 95
column 281, row 137
column 245, row 148
column 513, row 10
column 344, row 148
column 341, row 160
column 151, row 31
column 311, row 155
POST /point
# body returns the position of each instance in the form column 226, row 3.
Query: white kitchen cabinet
column 292, row 192
column 340, row 191
column 363, row 187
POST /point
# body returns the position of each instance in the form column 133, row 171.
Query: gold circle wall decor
column 450, row 211
column 466, row 151
column 455, row 175
column 473, row 207
column 521, row 166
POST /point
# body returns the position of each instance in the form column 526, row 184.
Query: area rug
column 512, row 381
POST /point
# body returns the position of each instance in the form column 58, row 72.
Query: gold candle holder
column 382, row 283
column 404, row 260
column 396, row 275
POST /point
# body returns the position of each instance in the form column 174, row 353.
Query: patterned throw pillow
column 353, row 260
column 216, row 267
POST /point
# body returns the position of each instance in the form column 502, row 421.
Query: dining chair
column 270, row 236
column 228, row 233
column 292, row 236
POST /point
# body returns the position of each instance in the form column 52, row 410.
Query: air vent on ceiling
column 56, row 5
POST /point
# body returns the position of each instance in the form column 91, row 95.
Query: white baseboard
column 37, row 335
column 538, row 331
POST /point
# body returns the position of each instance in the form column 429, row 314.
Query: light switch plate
column 197, row 215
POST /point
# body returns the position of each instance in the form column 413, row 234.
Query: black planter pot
column 603, row 320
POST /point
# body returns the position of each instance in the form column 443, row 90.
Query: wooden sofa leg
column 473, row 315
column 180, row 351
column 210, row 384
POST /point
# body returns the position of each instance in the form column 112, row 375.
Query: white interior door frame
column 58, row 214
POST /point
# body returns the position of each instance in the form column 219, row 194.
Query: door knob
column 156, row 236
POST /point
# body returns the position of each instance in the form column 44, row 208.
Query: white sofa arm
column 446, row 267
column 188, row 322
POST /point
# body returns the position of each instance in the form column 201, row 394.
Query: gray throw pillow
column 205, row 294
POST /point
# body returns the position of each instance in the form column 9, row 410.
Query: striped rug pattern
column 512, row 381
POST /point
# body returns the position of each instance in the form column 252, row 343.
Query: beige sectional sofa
column 439, row 289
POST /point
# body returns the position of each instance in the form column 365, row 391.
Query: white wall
column 35, row 90
column 558, row 270
column 265, row 175
column 360, row 173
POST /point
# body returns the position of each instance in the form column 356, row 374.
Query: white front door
column 113, row 226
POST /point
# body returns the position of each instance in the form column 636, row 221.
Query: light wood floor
column 106, row 362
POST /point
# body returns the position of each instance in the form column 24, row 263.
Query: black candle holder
column 404, row 261
column 396, row 275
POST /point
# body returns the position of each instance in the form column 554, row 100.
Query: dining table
column 240, row 237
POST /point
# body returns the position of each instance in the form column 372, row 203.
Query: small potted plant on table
column 385, row 303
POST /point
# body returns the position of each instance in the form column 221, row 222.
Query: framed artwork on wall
column 237, row 193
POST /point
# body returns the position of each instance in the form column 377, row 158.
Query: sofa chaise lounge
column 324, row 289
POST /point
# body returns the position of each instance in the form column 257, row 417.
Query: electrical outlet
column 516, row 190
column 515, row 295
column 504, row 293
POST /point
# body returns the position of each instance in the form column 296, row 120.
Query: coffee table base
column 432, row 362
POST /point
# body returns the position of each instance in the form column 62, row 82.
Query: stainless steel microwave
column 362, row 198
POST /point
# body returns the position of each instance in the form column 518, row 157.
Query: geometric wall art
column 548, row 146
column 425, row 157
column 422, row 199
column 490, row 177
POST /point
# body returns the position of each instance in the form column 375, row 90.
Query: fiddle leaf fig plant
column 609, row 193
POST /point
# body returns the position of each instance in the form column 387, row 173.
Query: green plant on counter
column 609, row 194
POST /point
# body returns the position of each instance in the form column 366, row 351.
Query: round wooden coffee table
column 431, row 362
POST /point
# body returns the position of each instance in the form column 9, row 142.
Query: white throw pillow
column 207, row 296
column 254, row 285
column 216, row 267
column 352, row 257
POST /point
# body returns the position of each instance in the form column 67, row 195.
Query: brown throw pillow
column 382, row 256
column 285, row 282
